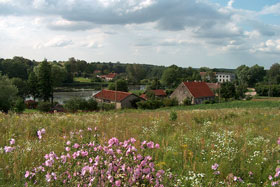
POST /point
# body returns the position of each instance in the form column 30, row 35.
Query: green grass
column 241, row 136
column 82, row 79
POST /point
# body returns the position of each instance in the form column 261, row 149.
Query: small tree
column 227, row 90
column 8, row 93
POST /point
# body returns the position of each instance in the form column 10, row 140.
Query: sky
column 196, row 33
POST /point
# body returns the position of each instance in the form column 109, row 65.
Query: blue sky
column 212, row 33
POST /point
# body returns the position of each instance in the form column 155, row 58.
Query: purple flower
column 216, row 173
column 67, row 149
column 12, row 141
column 48, row 177
column 68, row 142
column 150, row 145
column 89, row 129
column 39, row 134
column 250, row 173
column 43, row 131
column 215, row 166
column 157, row 146
column 278, row 141
column 270, row 177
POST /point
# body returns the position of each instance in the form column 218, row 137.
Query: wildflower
column 118, row 183
column 89, row 129
column 27, row 173
column 39, row 134
column 43, row 131
column 67, row 149
column 12, row 141
column 68, row 142
column 250, row 173
column 270, row 177
column 150, row 145
column 76, row 145
column 157, row 146
column 215, row 166
column 48, row 177
column 8, row 149
column 216, row 173
column 278, row 141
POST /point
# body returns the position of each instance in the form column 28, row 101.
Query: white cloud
column 58, row 41
column 273, row 9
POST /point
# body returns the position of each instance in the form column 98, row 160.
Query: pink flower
column 67, row 149
column 270, row 177
column 118, row 183
column 215, row 166
column 76, row 145
column 48, row 177
column 157, row 146
column 150, row 145
column 8, row 149
column 89, row 129
column 27, row 173
column 43, row 131
column 68, row 142
column 12, row 141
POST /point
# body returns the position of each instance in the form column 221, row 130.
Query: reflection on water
column 61, row 97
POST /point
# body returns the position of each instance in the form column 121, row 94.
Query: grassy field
column 82, row 79
column 232, row 144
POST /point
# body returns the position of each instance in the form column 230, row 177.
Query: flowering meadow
column 221, row 147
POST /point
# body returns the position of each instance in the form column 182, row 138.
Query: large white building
column 225, row 77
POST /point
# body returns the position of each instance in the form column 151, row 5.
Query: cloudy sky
column 213, row 33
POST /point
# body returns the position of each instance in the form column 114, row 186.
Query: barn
column 196, row 92
column 121, row 99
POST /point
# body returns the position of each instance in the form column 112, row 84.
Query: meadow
column 187, row 146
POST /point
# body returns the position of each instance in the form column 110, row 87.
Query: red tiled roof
column 159, row 92
column 112, row 95
column 199, row 89
column 213, row 86
column 111, row 75
column 144, row 96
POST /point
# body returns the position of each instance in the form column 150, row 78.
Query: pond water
column 61, row 97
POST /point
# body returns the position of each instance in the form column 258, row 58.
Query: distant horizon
column 204, row 33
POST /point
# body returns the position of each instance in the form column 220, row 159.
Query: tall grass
column 243, row 142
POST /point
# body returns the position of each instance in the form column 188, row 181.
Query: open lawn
column 82, row 79
column 233, row 145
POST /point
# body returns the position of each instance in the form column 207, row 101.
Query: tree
column 135, row 73
column 274, row 74
column 155, row 84
column 59, row 74
column 256, row 75
column 121, row 86
column 21, row 86
column 171, row 77
column 7, row 94
column 33, row 86
column 227, row 90
column 242, row 73
column 45, row 81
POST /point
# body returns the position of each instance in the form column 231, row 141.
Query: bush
column 107, row 106
column 76, row 103
column 208, row 102
column 92, row 105
column 173, row 116
column 44, row 107
column 150, row 104
column 19, row 105
column 268, row 90
column 187, row 101
column 30, row 104
column 170, row 102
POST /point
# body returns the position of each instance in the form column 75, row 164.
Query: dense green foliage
column 7, row 94
column 268, row 90
column 76, row 103
column 227, row 90
column 119, row 85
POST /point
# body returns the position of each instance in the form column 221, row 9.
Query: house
column 121, row 99
column 220, row 76
column 197, row 92
column 225, row 77
column 159, row 93
column 108, row 77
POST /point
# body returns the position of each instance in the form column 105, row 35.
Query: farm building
column 121, row 99
column 196, row 92
column 160, row 93
column 108, row 77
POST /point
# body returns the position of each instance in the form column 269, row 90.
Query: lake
column 61, row 97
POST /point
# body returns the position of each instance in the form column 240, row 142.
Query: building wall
column 225, row 77
column 126, row 103
column 181, row 93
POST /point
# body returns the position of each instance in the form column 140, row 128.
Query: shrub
column 19, row 105
column 187, row 101
column 173, row 116
column 170, row 102
column 92, row 105
column 44, row 107
column 31, row 104
column 75, row 104
column 107, row 106
column 150, row 104
column 268, row 90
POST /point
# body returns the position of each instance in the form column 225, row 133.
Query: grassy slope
column 239, row 139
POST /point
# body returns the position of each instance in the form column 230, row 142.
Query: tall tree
column 33, row 86
column 119, row 85
column 227, row 90
column 21, row 86
column 274, row 74
column 135, row 72
column 171, row 77
column 45, row 80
